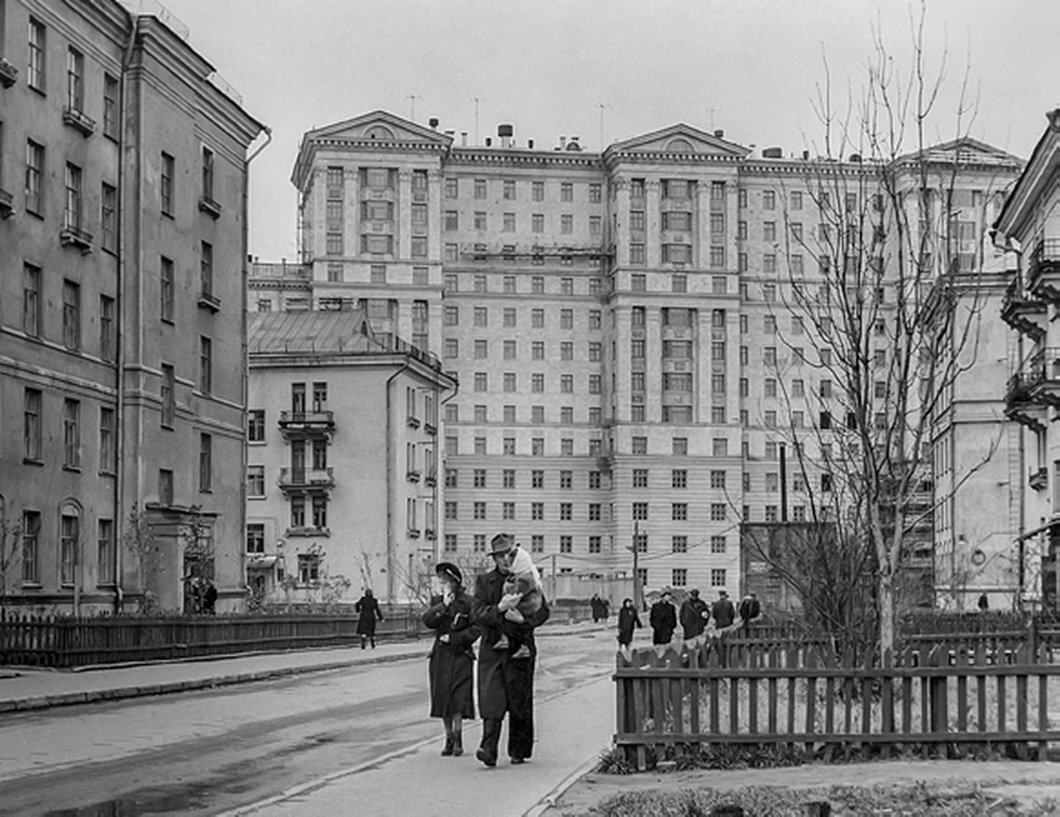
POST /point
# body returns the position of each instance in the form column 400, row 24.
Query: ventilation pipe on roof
column 719, row 133
column 433, row 122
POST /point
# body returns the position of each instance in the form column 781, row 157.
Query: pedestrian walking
column 368, row 606
column 694, row 615
column 627, row 621
column 505, row 683
column 605, row 609
column 209, row 597
column 750, row 609
column 596, row 605
column 723, row 610
column 663, row 619
column 452, row 656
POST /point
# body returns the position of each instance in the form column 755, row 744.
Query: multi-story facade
column 342, row 475
column 123, row 168
column 1029, row 228
column 616, row 320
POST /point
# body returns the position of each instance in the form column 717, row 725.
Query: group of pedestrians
column 694, row 615
column 506, row 607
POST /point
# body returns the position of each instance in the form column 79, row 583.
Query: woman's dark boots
column 458, row 744
column 448, row 749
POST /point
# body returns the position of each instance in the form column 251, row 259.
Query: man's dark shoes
column 448, row 748
column 518, row 761
column 486, row 757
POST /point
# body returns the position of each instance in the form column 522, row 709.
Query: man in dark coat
column 723, row 610
column 695, row 613
column 596, row 605
column 750, row 609
column 505, row 683
column 663, row 619
column 368, row 607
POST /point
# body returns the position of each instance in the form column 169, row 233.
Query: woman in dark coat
column 368, row 607
column 452, row 657
column 627, row 620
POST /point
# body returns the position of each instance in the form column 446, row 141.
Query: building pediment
column 380, row 127
column 679, row 141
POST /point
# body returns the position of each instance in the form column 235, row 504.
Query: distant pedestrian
column 627, row 621
column 209, row 597
column 452, row 657
column 723, row 610
column 694, row 615
column 663, row 619
column 368, row 607
column 596, row 606
column 984, row 603
column 750, row 609
column 605, row 609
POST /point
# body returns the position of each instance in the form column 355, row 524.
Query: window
column 108, row 217
column 205, row 462
column 71, row 315
column 537, row 446
column 166, row 183
column 34, row 174
column 717, row 577
column 71, row 434
column 256, row 480
column 205, row 364
column 679, row 577
column 639, row 445
column 69, row 540
column 31, row 425
column 206, row 268
column 508, row 446
column 73, row 199
column 640, row 511
column 31, row 523
column 166, row 287
column 537, row 318
column 718, row 512
column 32, row 303
column 36, row 65
column 566, row 512
column 168, row 396
column 679, row 511
column 509, row 189
column 566, row 223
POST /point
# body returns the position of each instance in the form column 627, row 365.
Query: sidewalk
column 25, row 688
column 572, row 728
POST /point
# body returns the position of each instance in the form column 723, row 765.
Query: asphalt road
column 211, row 751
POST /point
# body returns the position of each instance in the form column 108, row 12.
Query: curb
column 121, row 693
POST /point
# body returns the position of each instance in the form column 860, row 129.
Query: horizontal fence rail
column 950, row 699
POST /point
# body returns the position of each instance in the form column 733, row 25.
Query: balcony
column 413, row 476
column 209, row 206
column 79, row 121
column 8, row 73
column 7, row 204
column 1043, row 270
column 301, row 424
column 307, row 531
column 209, row 302
column 76, row 237
column 1022, row 311
column 1034, row 388
column 1039, row 480
column 307, row 480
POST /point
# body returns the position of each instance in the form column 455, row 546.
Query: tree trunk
column 886, row 609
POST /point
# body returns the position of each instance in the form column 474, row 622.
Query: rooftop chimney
column 504, row 134
column 562, row 142
column 806, row 155
column 772, row 153
column 530, row 144
column 719, row 133
column 463, row 138
column 433, row 122
column 573, row 144
column 489, row 142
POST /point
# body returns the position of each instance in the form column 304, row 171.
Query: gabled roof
column 680, row 140
column 966, row 150
column 377, row 130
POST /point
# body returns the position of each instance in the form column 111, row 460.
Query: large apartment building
column 1029, row 227
column 123, row 167
column 628, row 372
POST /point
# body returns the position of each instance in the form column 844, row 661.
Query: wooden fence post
column 939, row 704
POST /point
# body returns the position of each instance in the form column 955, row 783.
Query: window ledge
column 8, row 73
column 76, row 237
column 210, row 207
column 79, row 121
column 32, row 461
column 7, row 204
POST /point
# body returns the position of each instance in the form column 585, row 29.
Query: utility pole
column 553, row 593
column 638, row 591
column 783, row 483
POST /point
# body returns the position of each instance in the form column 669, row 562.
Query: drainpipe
column 439, row 493
column 389, row 498
column 245, row 266
column 119, row 326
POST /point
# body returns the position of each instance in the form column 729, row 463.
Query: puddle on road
column 148, row 801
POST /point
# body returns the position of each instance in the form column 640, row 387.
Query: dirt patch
column 1013, row 787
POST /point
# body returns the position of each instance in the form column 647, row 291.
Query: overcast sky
column 603, row 70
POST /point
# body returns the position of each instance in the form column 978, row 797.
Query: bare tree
column 886, row 300
column 10, row 540
column 146, row 548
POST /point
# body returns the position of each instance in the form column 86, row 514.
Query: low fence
column 948, row 699
column 64, row 642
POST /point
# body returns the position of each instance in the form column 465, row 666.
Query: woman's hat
column 449, row 570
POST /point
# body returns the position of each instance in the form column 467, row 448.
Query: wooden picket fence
column 947, row 699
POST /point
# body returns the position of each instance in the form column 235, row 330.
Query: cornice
column 526, row 158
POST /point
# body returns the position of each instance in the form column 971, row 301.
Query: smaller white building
column 343, row 455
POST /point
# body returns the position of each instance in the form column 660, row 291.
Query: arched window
column 69, row 541
column 379, row 132
column 680, row 146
